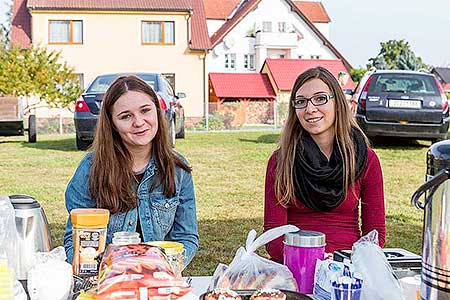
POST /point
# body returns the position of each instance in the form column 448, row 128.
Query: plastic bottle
column 89, row 238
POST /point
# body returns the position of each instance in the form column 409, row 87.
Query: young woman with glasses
column 323, row 176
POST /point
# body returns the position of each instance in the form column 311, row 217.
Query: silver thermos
column 435, row 272
column 33, row 232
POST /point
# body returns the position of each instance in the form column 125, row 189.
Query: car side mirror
column 181, row 95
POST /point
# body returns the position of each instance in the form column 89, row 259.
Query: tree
column 357, row 74
column 37, row 72
column 397, row 54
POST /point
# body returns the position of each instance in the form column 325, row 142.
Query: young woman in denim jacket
column 134, row 172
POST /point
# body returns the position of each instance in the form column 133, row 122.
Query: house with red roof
column 249, row 103
column 98, row 37
column 242, row 37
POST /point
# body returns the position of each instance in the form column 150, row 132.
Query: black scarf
column 318, row 183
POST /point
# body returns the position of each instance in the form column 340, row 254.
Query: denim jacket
column 161, row 218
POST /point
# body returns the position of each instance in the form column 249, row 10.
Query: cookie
column 268, row 294
column 222, row 294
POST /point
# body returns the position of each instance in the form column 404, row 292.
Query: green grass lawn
column 229, row 171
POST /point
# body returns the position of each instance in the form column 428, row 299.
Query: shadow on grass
column 402, row 233
column 398, row 143
column 65, row 144
column 263, row 139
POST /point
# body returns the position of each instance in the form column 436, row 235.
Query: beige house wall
column 112, row 44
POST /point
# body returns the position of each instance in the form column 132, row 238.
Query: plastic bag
column 8, row 237
column 250, row 271
column 138, row 271
column 51, row 276
column 368, row 259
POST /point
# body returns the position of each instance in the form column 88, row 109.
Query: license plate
column 404, row 103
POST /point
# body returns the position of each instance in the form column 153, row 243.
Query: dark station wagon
column 402, row 104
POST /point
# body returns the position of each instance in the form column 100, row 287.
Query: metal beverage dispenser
column 435, row 272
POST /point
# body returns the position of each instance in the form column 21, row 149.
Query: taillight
column 363, row 97
column 443, row 96
column 81, row 106
column 162, row 102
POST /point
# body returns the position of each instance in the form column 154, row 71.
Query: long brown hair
column 111, row 178
column 293, row 130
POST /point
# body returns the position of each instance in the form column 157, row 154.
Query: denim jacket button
column 131, row 222
column 166, row 205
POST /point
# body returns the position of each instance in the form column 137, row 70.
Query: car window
column 150, row 79
column 101, row 84
column 403, row 83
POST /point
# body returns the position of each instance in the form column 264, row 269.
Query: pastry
column 222, row 294
column 268, row 294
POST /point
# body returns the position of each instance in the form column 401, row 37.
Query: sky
column 358, row 27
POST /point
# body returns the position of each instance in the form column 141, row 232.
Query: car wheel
column 180, row 134
column 172, row 132
column 82, row 145
column 32, row 129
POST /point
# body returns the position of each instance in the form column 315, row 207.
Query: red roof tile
column 285, row 71
column 21, row 24
column 160, row 5
column 220, row 34
column 314, row 11
column 219, row 9
column 21, row 30
column 200, row 37
column 241, row 85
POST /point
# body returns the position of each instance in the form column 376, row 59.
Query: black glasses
column 317, row 100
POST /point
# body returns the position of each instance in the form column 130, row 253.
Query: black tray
column 245, row 294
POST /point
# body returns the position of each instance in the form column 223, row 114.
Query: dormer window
column 282, row 27
column 267, row 26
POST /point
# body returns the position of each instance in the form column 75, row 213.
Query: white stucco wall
column 112, row 43
column 267, row 10
column 324, row 28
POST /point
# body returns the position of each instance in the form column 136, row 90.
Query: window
column 315, row 56
column 170, row 78
column 267, row 26
column 249, row 61
column 65, row 32
column 230, row 61
column 282, row 26
column 158, row 32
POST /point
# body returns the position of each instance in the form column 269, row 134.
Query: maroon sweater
column 341, row 225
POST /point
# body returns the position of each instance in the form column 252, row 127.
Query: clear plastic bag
column 8, row 237
column 250, row 271
column 51, row 276
column 138, row 271
column 368, row 259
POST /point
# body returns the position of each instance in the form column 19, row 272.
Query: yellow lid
column 168, row 245
column 85, row 296
column 89, row 217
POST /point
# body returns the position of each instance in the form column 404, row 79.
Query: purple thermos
column 301, row 251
